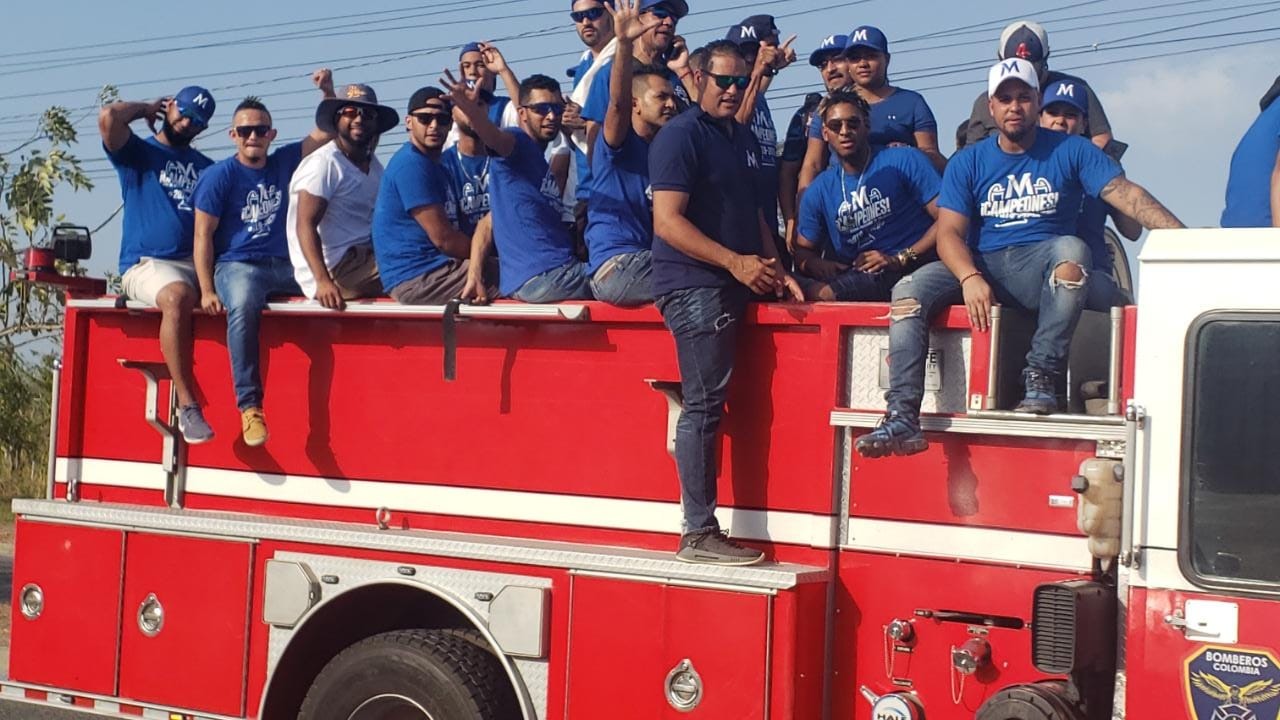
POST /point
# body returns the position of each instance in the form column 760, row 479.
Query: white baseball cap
column 1012, row 69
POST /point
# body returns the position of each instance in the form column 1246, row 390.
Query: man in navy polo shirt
column 241, row 205
column 157, row 178
column 620, row 225
column 422, row 255
column 535, row 251
column 711, row 251
column 872, row 211
column 1025, row 187
column 1253, row 184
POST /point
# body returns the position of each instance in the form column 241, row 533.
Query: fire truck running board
column 1010, row 424
column 74, row 700
column 499, row 311
column 572, row 556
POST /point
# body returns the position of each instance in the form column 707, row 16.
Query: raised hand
column 323, row 79
column 493, row 60
column 156, row 113
column 628, row 23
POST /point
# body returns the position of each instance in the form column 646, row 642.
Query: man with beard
column 422, row 255
column 1024, row 186
column 331, row 201
column 620, row 228
column 157, row 178
column 535, row 251
column 711, row 250
column 832, row 64
column 595, row 29
column 240, row 226
column 757, row 37
column 872, row 211
column 467, row 164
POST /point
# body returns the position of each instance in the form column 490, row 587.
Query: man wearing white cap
column 1024, row 186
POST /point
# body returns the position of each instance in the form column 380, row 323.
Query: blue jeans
column 858, row 286
column 1020, row 276
column 243, row 287
column 567, row 282
column 704, row 323
column 623, row 280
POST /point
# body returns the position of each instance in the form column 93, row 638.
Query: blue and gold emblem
column 1232, row 683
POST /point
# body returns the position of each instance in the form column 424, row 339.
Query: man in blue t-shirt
column 1253, row 183
column 467, row 164
column 157, row 178
column 872, row 212
column 241, row 250
column 832, row 64
column 422, row 254
column 620, row 222
column 711, row 250
column 1023, row 186
column 758, row 38
column 535, row 251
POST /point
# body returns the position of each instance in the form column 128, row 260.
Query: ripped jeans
column 704, row 322
column 1021, row 276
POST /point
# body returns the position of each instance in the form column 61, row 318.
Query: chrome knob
column 31, row 600
column 151, row 616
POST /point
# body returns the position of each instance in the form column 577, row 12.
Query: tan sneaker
column 254, row 427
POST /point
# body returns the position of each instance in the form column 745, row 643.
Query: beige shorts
column 144, row 281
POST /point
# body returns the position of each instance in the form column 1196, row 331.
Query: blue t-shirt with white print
column 469, row 178
column 251, row 205
column 882, row 209
column 1024, row 198
column 526, row 204
column 156, row 183
column 402, row 247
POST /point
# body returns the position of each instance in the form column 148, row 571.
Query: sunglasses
column 352, row 112
column 593, row 14
column 724, row 82
column 426, row 118
column 245, row 131
column 662, row 12
column 838, row 125
column 545, row 108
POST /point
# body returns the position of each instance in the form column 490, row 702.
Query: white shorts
column 144, row 281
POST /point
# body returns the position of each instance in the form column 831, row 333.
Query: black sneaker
column 713, row 547
column 895, row 435
column 1041, row 397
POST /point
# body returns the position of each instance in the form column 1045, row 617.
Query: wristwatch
column 907, row 257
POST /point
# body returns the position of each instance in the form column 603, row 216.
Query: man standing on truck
column 240, row 226
column 1253, row 185
column 711, row 250
column 1024, row 186
column 157, row 179
column 331, row 201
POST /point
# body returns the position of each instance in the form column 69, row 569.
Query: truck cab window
column 1231, row 451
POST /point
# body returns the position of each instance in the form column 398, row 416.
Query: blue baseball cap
column 1070, row 92
column 679, row 8
column 752, row 30
column 868, row 37
column 831, row 45
column 196, row 104
column 469, row 47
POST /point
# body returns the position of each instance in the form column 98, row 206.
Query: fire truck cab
column 470, row 513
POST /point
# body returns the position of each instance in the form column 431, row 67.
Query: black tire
column 413, row 675
column 1038, row 701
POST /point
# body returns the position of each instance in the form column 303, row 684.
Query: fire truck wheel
column 428, row 674
column 1039, row 701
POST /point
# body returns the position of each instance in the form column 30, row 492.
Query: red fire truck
column 471, row 512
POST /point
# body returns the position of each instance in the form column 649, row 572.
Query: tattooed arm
column 1133, row 200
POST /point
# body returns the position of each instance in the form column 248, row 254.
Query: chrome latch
column 684, row 686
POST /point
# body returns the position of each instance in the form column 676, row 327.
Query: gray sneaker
column 713, row 547
column 193, row 426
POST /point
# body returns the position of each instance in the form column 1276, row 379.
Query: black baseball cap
column 422, row 95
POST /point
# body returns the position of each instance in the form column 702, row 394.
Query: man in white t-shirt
column 331, row 201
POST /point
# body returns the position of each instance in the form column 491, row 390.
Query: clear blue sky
column 1182, row 114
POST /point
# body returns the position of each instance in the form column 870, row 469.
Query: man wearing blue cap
column 1065, row 109
column 1023, row 186
column 833, row 66
column 1253, row 184
column 157, row 179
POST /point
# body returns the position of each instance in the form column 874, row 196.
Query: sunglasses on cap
column 591, row 14
column 353, row 111
column 839, row 125
column 724, row 82
column 245, row 131
column 426, row 118
column 545, row 108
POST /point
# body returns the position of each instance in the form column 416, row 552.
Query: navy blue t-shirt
column 1029, row 197
column 527, row 229
column 767, row 135
column 795, row 144
column 156, row 184
column 620, row 211
column 1249, row 181
column 402, row 247
column 895, row 119
column 881, row 209
column 469, row 176
column 251, row 205
column 695, row 154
